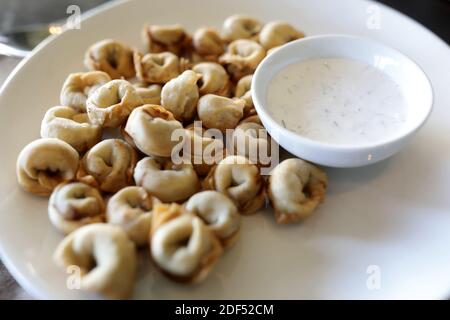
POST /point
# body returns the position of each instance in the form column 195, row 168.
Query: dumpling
column 73, row 205
column 240, row 27
column 180, row 95
column 219, row 213
column 208, row 43
column 202, row 149
column 220, row 112
column 131, row 209
column 242, row 57
column 161, row 38
column 243, row 91
column 79, row 86
column 152, row 130
column 149, row 94
column 71, row 126
column 181, row 245
column 240, row 180
column 158, row 67
column 252, row 141
column 45, row 163
column 108, row 165
column 105, row 256
column 112, row 57
column 296, row 188
column 110, row 104
column 277, row 33
column 165, row 180
column 214, row 79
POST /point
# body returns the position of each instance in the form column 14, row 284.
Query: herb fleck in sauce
column 337, row 100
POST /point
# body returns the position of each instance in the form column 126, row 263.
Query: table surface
column 9, row 289
column 433, row 14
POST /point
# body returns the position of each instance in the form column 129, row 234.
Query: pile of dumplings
column 113, row 196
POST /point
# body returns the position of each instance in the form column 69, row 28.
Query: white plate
column 391, row 219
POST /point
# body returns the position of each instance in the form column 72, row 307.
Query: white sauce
column 340, row 101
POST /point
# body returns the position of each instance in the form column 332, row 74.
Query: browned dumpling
column 131, row 209
column 106, row 257
column 108, row 165
column 73, row 205
column 241, row 27
column 165, row 180
column 45, row 163
column 219, row 213
column 208, row 43
column 150, row 129
column 242, row 57
column 161, row 38
column 158, row 67
column 277, row 33
column 202, row 150
column 112, row 57
column 180, row 95
column 240, row 180
column 150, row 94
column 79, row 86
column 214, row 79
column 243, row 91
column 181, row 245
column 110, row 104
column 296, row 188
column 220, row 112
column 70, row 126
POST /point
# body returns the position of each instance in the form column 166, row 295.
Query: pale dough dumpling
column 106, row 258
column 131, row 209
column 110, row 104
column 108, row 165
column 180, row 95
column 78, row 86
column 158, row 67
column 219, row 213
column 165, row 180
column 150, row 129
column 220, row 112
column 296, row 188
column 149, row 94
column 277, row 33
column 253, row 118
column 112, row 57
column 272, row 50
column 214, row 79
column 240, row 27
column 252, row 141
column 203, row 150
column 243, row 91
column 208, row 43
column 161, row 38
column 242, row 57
column 73, row 205
column 240, row 180
column 71, row 126
column 45, row 163
column 181, row 245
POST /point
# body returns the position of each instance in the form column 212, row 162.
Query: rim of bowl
column 260, row 108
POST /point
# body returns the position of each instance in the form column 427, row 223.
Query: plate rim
column 33, row 288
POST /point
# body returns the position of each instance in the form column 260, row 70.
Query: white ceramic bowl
column 409, row 76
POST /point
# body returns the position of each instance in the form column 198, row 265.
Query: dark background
column 433, row 14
